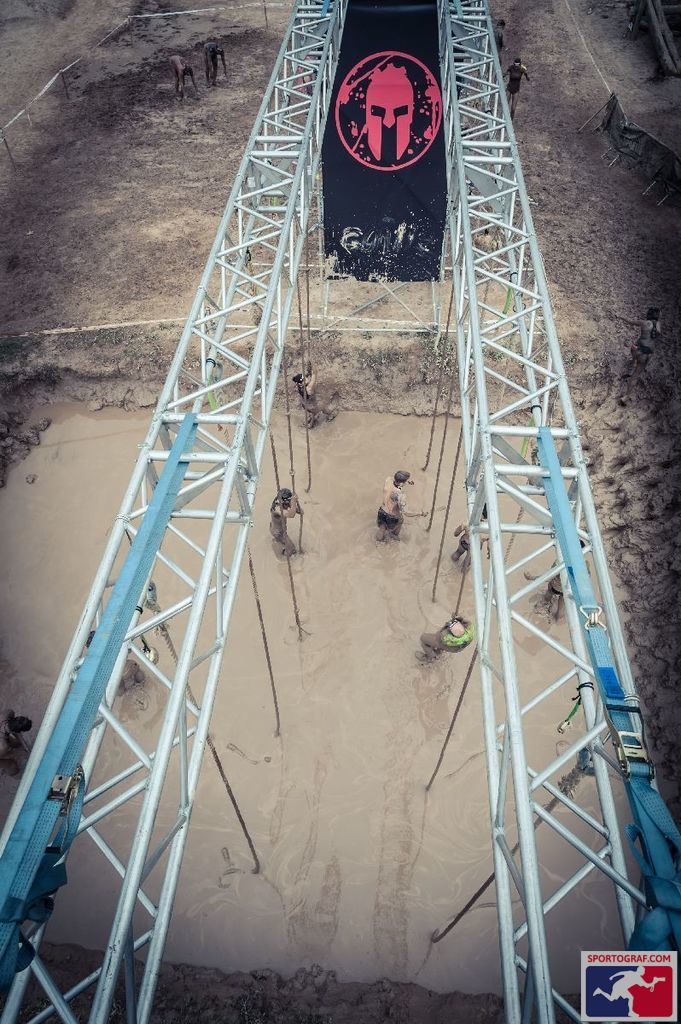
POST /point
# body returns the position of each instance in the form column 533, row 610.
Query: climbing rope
column 292, row 470
column 302, row 368
column 457, row 709
column 162, row 629
column 265, row 644
column 442, row 446
column 447, row 510
column 445, row 348
column 307, row 295
column 463, row 580
column 567, row 786
column 288, row 557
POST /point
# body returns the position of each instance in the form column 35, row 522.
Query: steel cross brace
column 226, row 375
column 512, row 382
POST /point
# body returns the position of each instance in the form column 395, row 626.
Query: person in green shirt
column 456, row 634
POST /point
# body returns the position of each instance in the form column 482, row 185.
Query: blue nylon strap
column 39, row 903
column 655, row 829
column 23, row 860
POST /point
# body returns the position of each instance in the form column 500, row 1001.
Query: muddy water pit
column 358, row 866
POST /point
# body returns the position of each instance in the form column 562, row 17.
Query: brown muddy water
column 359, row 866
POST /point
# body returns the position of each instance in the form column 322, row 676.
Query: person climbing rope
column 515, row 74
column 180, row 70
column 285, row 506
column 309, row 398
column 11, row 728
column 211, row 52
column 644, row 346
column 456, row 634
column 390, row 515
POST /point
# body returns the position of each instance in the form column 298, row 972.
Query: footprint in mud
column 224, row 881
column 311, row 928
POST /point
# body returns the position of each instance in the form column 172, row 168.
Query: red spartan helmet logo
column 389, row 101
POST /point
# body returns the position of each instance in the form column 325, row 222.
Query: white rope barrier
column 365, row 322
column 206, row 10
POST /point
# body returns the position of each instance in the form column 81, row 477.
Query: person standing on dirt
column 499, row 34
column 390, row 515
column 11, row 728
column 180, row 70
column 456, row 634
column 644, row 346
column 211, row 52
column 515, row 75
column 309, row 399
column 284, row 507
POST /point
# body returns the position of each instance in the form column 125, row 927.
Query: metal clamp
column 592, row 617
column 631, row 749
column 64, row 789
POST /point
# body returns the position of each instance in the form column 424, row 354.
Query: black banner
column 385, row 183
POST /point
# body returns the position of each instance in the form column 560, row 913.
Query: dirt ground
column 111, row 214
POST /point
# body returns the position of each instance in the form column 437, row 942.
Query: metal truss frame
column 512, row 381
column 227, row 376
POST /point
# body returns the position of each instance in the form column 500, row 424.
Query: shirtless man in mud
column 180, row 70
column 644, row 346
column 11, row 728
column 284, row 507
column 211, row 52
column 309, row 399
column 456, row 634
column 391, row 514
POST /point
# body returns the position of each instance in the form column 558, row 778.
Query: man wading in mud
column 284, row 507
column 391, row 514
column 456, row 634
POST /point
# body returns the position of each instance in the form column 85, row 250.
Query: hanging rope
column 302, row 368
column 292, row 470
column 442, row 446
column 567, row 786
column 458, row 600
column 457, row 709
column 447, row 510
column 296, row 613
column 277, row 731
column 165, row 633
column 445, row 349
column 307, row 295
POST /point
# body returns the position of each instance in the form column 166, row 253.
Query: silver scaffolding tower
column 512, row 383
column 227, row 376
column 510, row 371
